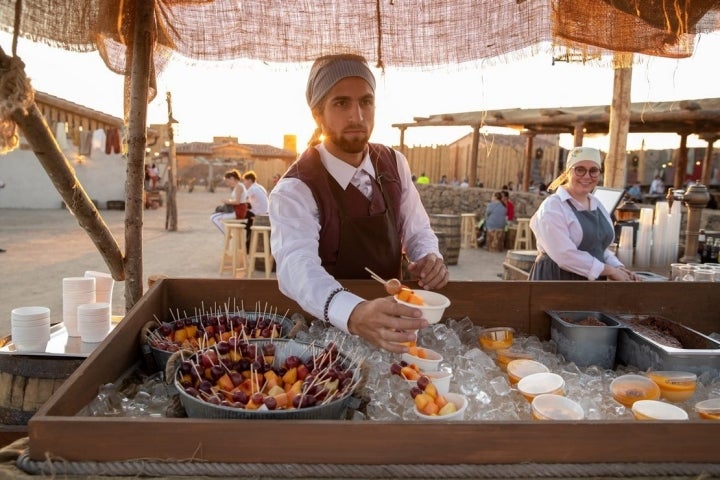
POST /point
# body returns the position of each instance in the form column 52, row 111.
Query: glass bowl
column 709, row 409
column 675, row 386
column 556, row 407
column 496, row 338
column 628, row 389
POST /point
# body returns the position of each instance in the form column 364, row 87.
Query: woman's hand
column 382, row 322
column 619, row 274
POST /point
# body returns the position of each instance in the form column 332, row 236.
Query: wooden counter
column 56, row 431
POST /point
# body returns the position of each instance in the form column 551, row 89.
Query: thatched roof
column 701, row 117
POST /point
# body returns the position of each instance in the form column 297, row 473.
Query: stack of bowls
column 76, row 291
column 30, row 328
column 93, row 321
column 104, row 284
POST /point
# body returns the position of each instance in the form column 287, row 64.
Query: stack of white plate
column 104, row 284
column 30, row 328
column 76, row 291
column 93, row 321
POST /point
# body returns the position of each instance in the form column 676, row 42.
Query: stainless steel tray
column 60, row 345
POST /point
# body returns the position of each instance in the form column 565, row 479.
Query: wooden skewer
column 375, row 276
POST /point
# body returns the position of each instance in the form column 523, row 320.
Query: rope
column 16, row 95
column 415, row 471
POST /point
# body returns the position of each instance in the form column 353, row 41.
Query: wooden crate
column 55, row 431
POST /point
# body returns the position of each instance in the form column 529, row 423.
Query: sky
column 259, row 103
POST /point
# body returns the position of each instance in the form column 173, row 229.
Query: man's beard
column 349, row 145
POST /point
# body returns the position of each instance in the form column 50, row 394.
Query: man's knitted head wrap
column 330, row 69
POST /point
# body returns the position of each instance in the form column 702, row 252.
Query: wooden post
column 578, row 134
column 527, row 165
column 616, row 161
column 472, row 174
column 707, row 161
column 141, row 52
column 171, row 209
column 681, row 164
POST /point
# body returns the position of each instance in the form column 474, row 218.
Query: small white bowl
column 429, row 364
column 440, row 379
column 435, row 305
column 460, row 402
column 549, row 406
column 540, row 383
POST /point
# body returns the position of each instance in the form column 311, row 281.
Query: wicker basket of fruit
column 268, row 379
column 202, row 331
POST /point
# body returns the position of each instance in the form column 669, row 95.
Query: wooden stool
column 524, row 237
column 260, row 234
column 233, row 256
column 468, row 235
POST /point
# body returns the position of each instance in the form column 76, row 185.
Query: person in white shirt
column 572, row 228
column 347, row 204
column 257, row 195
column 657, row 187
column 238, row 201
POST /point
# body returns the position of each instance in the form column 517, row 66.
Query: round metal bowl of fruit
column 267, row 379
column 202, row 331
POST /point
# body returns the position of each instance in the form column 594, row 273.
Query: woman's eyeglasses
column 581, row 171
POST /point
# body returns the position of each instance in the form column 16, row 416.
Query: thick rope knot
column 16, row 96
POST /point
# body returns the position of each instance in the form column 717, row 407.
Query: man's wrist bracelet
column 329, row 299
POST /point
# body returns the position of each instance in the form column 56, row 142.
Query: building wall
column 29, row 186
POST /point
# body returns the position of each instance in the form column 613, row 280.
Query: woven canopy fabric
column 389, row 33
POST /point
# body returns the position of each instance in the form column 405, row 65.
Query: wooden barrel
column 449, row 225
column 26, row 382
column 517, row 264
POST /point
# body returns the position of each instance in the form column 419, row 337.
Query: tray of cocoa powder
column 658, row 343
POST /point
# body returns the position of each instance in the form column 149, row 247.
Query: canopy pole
column 141, row 52
column 619, row 123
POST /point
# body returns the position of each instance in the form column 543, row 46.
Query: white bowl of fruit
column 432, row 304
column 430, row 404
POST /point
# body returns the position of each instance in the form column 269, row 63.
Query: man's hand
column 430, row 271
column 381, row 323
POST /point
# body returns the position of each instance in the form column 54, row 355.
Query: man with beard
column 347, row 204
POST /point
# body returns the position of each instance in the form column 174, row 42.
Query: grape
column 188, row 321
column 268, row 349
column 393, row 286
column 236, row 378
column 423, row 382
column 216, row 371
column 223, row 348
column 270, row 403
column 395, row 369
column 165, row 329
column 192, row 392
column 415, row 391
column 240, row 397
column 257, row 398
column 205, row 386
column 186, row 367
column 292, row 361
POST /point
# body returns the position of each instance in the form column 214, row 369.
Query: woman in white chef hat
column 572, row 228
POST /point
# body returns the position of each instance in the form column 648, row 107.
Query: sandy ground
column 44, row 246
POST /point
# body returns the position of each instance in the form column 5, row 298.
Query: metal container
column 333, row 410
column 698, row 354
column 585, row 345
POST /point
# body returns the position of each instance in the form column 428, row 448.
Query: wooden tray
column 55, row 430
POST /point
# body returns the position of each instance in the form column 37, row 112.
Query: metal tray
column 699, row 353
column 585, row 345
column 59, row 345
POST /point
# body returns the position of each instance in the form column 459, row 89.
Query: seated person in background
column 237, row 201
column 572, row 228
column 635, row 192
column 347, row 204
column 495, row 222
column 509, row 205
column 657, row 187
